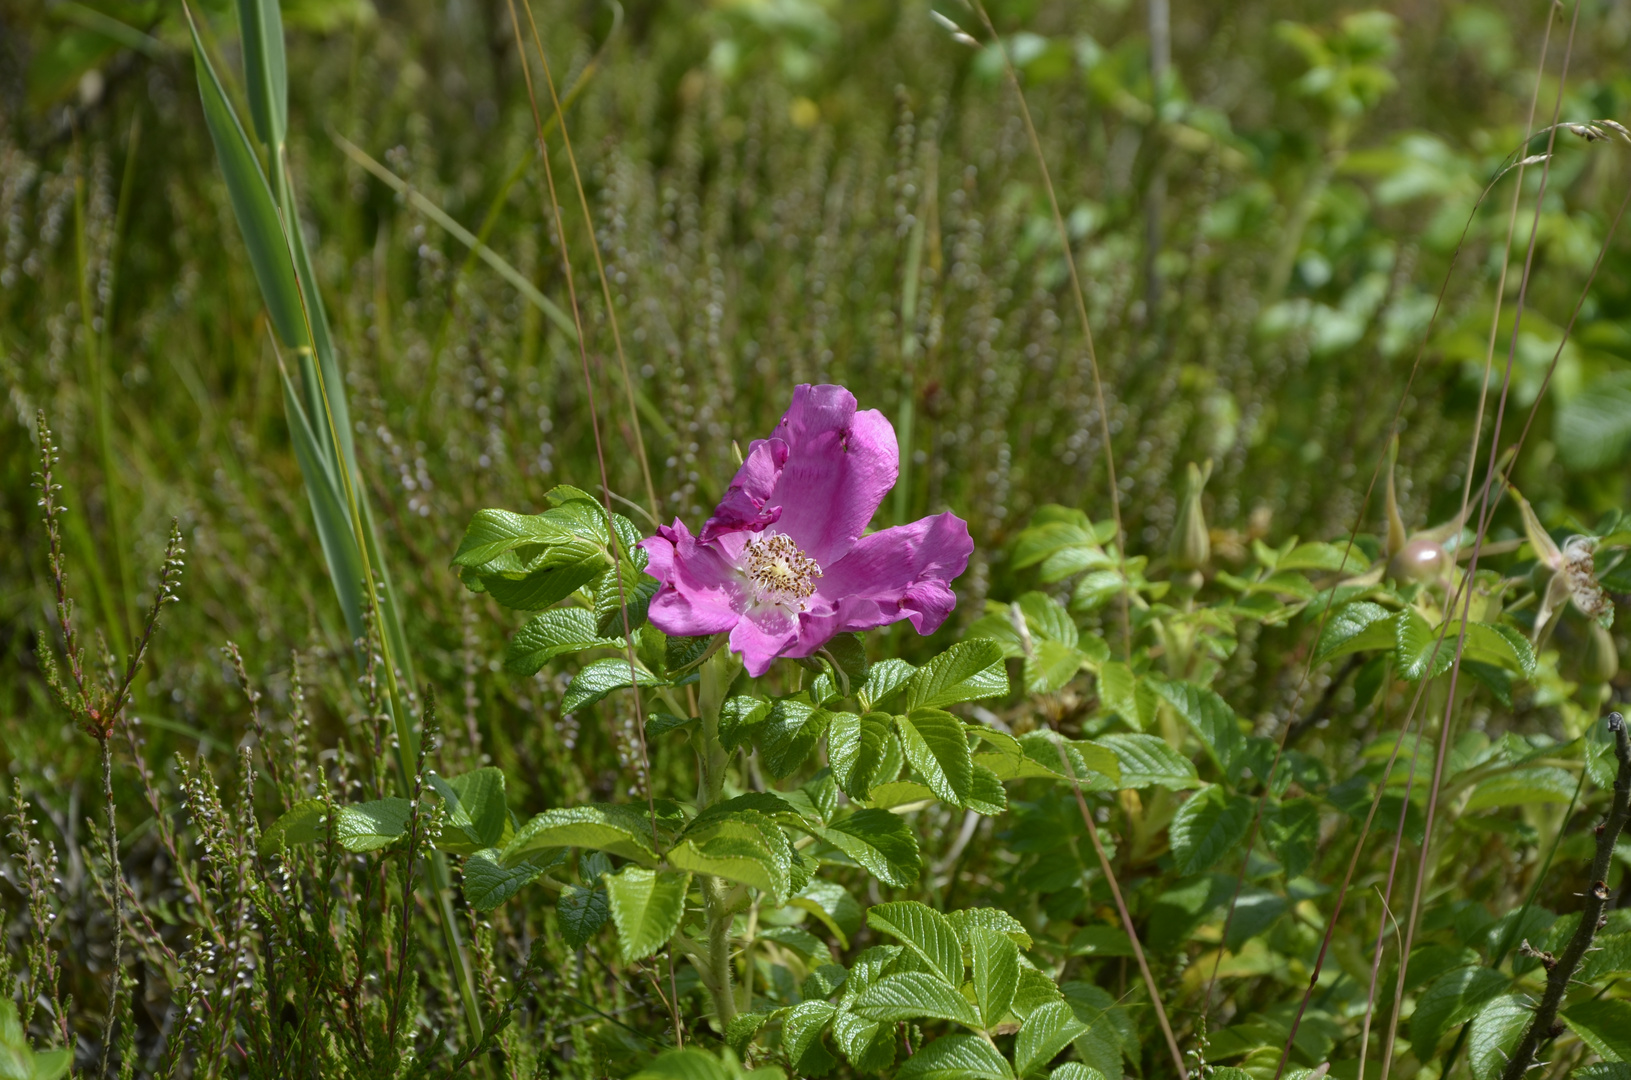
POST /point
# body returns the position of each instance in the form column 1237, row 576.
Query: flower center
column 780, row 572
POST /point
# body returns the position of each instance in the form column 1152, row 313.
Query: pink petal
column 840, row 464
column 763, row 635
column 700, row 587
column 743, row 506
column 900, row 573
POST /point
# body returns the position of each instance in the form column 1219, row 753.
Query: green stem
column 120, row 623
column 718, row 976
column 717, row 674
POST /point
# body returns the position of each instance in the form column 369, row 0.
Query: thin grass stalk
column 1325, row 614
column 1423, row 866
column 1506, row 262
column 1126, row 917
column 328, row 455
column 718, row 955
column 1511, row 459
column 907, row 415
column 120, row 624
column 1386, row 896
column 600, row 264
column 495, row 210
column 1506, row 942
column 1080, row 297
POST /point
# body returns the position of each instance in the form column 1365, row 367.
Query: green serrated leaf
column 1047, row 1031
column 488, row 882
column 880, row 842
column 1604, row 1024
column 687, row 1064
column 370, row 826
column 1209, row 716
column 594, row 681
column 1420, row 652
column 684, row 652
column 612, row 593
column 913, row 995
column 966, row 920
column 1075, row 1070
column 1147, row 761
column 646, row 906
column 968, row 671
column 868, row 1044
column 884, row 680
column 745, row 847
column 581, row 911
column 925, row 932
column 620, row 830
column 1495, row 1033
column 51, row 1064
column 1520, row 787
column 936, row 743
column 1125, row 694
column 476, row 809
column 855, row 749
column 1501, row 646
column 995, row 964
column 1452, row 999
column 742, row 1028
column 1207, row 827
column 986, row 794
column 738, row 717
column 1357, row 627
column 955, row 1057
column 801, row 1038
column 1109, row 1030
column 303, row 823
column 556, row 632
column 554, row 538
column 788, row 734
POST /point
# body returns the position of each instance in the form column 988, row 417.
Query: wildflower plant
column 1006, row 737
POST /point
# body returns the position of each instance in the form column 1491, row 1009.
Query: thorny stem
column 1597, row 897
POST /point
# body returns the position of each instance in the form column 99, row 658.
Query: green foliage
column 875, row 858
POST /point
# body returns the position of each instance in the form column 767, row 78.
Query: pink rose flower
column 782, row 565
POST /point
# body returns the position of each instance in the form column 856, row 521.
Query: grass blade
column 252, row 204
column 265, row 70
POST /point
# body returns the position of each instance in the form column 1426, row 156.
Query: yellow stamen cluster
column 780, row 572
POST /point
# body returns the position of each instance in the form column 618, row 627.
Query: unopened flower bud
column 1191, row 547
column 1602, row 660
column 1417, row 561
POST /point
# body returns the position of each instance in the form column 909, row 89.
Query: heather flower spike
column 782, row 565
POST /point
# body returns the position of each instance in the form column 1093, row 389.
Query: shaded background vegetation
column 762, row 176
